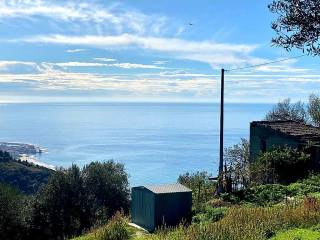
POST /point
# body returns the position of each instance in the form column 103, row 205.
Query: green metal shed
column 155, row 206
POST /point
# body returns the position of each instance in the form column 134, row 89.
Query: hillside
column 25, row 176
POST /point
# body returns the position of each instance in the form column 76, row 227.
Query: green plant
column 280, row 165
column 237, row 165
column 297, row 234
column 12, row 219
column 75, row 200
column 209, row 214
column 116, row 229
column 266, row 194
column 250, row 223
column 202, row 188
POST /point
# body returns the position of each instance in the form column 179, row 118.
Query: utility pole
column 220, row 177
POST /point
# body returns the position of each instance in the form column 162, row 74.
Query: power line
column 267, row 63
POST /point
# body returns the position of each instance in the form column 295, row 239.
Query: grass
column 116, row 229
column 298, row 234
column 250, row 223
column 238, row 223
column 276, row 219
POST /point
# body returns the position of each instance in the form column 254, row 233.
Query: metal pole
column 220, row 187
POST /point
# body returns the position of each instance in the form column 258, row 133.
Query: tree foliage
column 202, row 188
column 238, row 165
column 297, row 24
column 308, row 113
column 12, row 217
column 74, row 200
column 280, row 165
column 285, row 110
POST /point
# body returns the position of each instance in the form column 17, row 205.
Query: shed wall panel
column 143, row 208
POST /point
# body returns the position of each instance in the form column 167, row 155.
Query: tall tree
column 297, row 25
column 285, row 110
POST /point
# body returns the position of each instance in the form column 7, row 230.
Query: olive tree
column 297, row 24
column 308, row 113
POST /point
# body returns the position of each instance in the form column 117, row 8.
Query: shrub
column 266, row 194
column 209, row 214
column 280, row 165
column 202, row 188
column 116, row 229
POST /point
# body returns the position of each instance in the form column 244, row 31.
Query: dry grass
column 240, row 223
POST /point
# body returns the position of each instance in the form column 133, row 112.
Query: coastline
column 25, row 152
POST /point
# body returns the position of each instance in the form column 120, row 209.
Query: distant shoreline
column 26, row 152
column 32, row 159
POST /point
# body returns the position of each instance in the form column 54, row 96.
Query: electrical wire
column 267, row 63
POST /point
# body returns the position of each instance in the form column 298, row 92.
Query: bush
column 282, row 165
column 209, row 215
column 266, row 194
column 202, row 188
column 116, row 229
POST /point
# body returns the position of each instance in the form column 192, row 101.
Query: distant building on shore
column 265, row 135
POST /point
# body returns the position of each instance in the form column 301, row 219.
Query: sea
column 156, row 142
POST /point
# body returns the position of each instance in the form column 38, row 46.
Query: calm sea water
column 155, row 141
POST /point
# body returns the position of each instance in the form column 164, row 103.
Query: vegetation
column 73, row 200
column 298, row 234
column 25, row 176
column 116, row 229
column 202, row 188
column 308, row 113
column 297, row 25
column 280, row 165
column 238, row 165
column 271, row 211
column 12, row 215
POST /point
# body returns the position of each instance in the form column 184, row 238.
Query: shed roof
column 168, row 188
column 299, row 130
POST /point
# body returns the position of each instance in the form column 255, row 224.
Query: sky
column 146, row 51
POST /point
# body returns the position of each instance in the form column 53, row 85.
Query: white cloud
column 204, row 51
column 75, row 50
column 99, row 64
column 158, row 62
column 105, row 59
column 116, row 18
column 18, row 66
column 176, row 84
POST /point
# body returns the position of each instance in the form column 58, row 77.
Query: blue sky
column 145, row 51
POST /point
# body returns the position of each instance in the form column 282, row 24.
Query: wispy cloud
column 204, row 51
column 105, row 59
column 164, row 83
column 99, row 64
column 160, row 62
column 75, row 50
column 19, row 66
column 116, row 17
